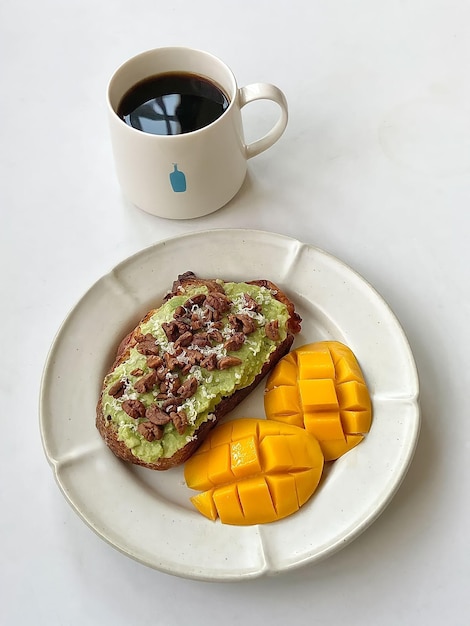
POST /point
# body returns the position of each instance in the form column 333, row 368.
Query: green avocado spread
column 213, row 384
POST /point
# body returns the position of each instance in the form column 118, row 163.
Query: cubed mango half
column 273, row 469
column 322, row 389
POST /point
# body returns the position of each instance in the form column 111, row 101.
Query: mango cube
column 317, row 365
column 256, row 500
column 347, row 370
column 324, row 425
column 244, row 457
column 196, row 473
column 330, row 398
column 219, row 469
column 286, row 372
column 334, row 448
column 284, row 494
column 204, row 503
column 353, row 395
column 283, row 400
column 318, row 394
column 303, row 484
column 354, row 422
column 228, row 504
column 276, row 454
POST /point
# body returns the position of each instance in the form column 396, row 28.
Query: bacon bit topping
column 215, row 335
column 169, row 385
column 188, row 388
column 217, row 301
column 162, row 372
column 171, row 403
column 154, row 361
column 228, row 361
column 251, row 304
column 146, row 383
column 150, row 431
column 155, row 415
column 117, row 389
column 209, row 362
column 137, row 371
column 235, row 342
column 197, row 322
column 184, row 340
column 134, row 408
column 173, row 384
column 180, row 311
column 171, row 330
column 201, row 340
column 272, row 330
column 195, row 301
column 171, row 361
column 180, row 420
column 147, row 347
column 147, row 337
column 242, row 322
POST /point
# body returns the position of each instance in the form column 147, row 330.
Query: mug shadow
column 247, row 209
column 245, row 198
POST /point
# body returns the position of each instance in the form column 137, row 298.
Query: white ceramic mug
column 186, row 175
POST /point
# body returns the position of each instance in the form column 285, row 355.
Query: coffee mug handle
column 264, row 91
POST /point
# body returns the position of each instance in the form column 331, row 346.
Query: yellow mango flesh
column 320, row 387
column 254, row 471
column 204, row 503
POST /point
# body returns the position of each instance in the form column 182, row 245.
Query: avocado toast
column 188, row 363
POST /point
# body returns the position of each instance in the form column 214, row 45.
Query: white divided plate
column 146, row 514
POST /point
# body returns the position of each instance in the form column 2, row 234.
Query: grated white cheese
column 129, row 396
column 128, row 426
column 191, row 412
column 253, row 346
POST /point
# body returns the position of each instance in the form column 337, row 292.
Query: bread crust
column 227, row 404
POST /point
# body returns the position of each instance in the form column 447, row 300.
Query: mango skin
column 320, row 387
column 254, row 471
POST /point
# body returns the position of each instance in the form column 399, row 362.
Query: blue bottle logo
column 177, row 179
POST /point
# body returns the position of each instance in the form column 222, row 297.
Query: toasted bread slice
column 188, row 363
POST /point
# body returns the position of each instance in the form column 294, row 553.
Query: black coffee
column 172, row 104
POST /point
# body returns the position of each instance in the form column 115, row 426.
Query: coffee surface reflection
column 172, row 104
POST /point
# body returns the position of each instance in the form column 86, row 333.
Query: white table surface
column 374, row 168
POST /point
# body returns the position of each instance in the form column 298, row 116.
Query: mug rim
column 166, row 50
